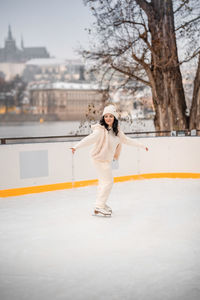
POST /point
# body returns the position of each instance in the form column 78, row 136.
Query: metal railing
column 42, row 139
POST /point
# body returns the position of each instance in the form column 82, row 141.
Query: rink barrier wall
column 78, row 184
column 42, row 167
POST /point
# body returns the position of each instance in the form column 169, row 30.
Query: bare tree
column 140, row 39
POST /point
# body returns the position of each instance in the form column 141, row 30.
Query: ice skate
column 102, row 212
column 108, row 208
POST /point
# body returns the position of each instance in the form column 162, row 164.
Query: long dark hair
column 114, row 126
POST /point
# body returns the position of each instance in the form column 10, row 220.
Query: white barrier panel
column 51, row 166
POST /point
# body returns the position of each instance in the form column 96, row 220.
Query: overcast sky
column 59, row 25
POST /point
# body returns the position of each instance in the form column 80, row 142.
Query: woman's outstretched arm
column 88, row 140
column 131, row 142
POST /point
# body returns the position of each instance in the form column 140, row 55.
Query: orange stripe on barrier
column 46, row 188
column 157, row 175
column 77, row 184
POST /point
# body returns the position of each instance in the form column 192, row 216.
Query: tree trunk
column 169, row 100
column 195, row 108
column 166, row 80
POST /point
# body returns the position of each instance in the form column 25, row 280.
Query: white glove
column 115, row 164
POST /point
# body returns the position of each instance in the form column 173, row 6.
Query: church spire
column 22, row 42
column 10, row 33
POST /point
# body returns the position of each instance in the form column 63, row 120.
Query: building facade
column 68, row 101
column 53, row 70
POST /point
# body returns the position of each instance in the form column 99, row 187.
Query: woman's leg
column 105, row 182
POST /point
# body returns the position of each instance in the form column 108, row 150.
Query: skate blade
column 98, row 214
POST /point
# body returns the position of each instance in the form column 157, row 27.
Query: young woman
column 107, row 139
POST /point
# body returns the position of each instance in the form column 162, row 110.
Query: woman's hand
column 73, row 150
column 147, row 149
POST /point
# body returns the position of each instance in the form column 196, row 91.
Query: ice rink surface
column 51, row 247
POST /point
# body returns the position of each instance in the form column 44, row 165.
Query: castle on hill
column 12, row 54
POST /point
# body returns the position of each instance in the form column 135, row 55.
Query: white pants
column 105, row 182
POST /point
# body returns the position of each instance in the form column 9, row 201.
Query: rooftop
column 65, row 86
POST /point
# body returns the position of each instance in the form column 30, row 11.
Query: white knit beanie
column 110, row 109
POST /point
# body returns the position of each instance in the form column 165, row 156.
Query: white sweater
column 112, row 141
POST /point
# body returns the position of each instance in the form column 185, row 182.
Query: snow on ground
column 51, row 247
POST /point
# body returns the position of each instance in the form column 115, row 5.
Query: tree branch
column 187, row 23
column 191, row 57
column 185, row 2
column 118, row 23
column 143, row 4
column 130, row 74
column 140, row 61
column 146, row 7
